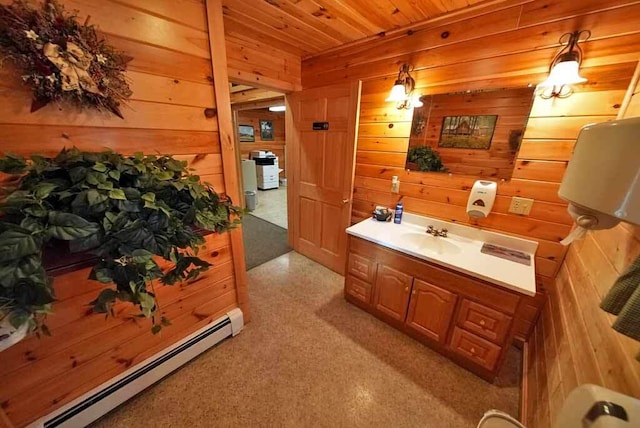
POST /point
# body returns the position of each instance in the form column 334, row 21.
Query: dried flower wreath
column 61, row 59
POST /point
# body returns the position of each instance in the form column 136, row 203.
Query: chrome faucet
column 436, row 232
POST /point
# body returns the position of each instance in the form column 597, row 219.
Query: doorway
column 316, row 167
column 259, row 120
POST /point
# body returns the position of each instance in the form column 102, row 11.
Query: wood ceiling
column 249, row 96
column 309, row 27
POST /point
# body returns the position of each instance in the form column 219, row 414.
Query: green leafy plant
column 426, row 158
column 127, row 211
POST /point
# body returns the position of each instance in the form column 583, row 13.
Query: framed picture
column 266, row 130
column 467, row 132
column 247, row 134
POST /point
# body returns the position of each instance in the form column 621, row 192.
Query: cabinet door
column 392, row 292
column 431, row 310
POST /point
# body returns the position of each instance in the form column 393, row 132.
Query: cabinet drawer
column 358, row 289
column 483, row 321
column 362, row 267
column 475, row 348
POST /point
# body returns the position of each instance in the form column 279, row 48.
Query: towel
column 623, row 300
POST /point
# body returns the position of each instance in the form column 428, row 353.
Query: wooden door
column 392, row 292
column 431, row 310
column 321, row 169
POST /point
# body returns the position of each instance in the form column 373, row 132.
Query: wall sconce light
column 402, row 91
column 564, row 70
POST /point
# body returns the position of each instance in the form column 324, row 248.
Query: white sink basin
column 460, row 251
column 426, row 242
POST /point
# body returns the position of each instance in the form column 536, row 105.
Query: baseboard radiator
column 99, row 401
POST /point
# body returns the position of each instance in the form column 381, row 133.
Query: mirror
column 475, row 133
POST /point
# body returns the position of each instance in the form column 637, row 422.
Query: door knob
column 345, row 201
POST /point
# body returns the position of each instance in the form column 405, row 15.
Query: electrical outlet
column 520, row 206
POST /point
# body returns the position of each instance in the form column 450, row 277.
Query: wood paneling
column 574, row 341
column 493, row 49
column 306, row 27
column 172, row 84
column 500, row 44
column 228, row 149
column 254, row 61
column 254, row 95
column 277, row 145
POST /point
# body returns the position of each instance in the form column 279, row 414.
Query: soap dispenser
column 481, row 198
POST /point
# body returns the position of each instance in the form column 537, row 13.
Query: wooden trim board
column 218, row 50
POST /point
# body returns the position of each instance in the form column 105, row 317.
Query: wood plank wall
column 277, row 145
column 508, row 45
column 259, row 62
column 573, row 342
column 171, row 78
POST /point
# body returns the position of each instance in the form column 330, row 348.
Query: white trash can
column 250, row 198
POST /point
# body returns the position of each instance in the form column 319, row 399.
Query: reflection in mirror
column 476, row 133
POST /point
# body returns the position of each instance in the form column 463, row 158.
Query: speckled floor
column 308, row 358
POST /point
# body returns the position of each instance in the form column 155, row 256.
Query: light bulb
column 564, row 73
column 397, row 93
column 277, row 108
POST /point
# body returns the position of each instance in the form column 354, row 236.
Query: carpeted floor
column 310, row 359
column 263, row 241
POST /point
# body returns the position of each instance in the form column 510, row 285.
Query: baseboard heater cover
column 104, row 398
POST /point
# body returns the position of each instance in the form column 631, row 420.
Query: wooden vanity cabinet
column 464, row 318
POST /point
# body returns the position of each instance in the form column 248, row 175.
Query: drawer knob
column 406, row 289
column 413, row 292
column 482, row 323
column 473, row 351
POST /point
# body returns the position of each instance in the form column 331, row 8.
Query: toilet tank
column 593, row 406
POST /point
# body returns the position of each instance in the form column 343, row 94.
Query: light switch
column 520, row 206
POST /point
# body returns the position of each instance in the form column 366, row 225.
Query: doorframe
column 218, row 51
column 254, row 106
column 290, row 139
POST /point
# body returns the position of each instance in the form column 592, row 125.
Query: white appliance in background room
column 249, row 175
column 267, row 170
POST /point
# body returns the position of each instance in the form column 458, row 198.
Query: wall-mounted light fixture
column 402, row 91
column 277, row 108
column 564, row 70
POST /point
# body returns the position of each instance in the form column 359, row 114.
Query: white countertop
column 459, row 251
